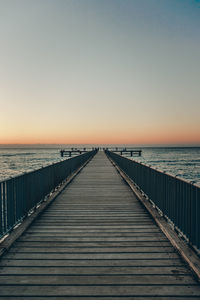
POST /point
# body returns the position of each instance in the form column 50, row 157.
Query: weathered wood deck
column 95, row 241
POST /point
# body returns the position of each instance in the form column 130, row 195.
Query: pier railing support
column 21, row 194
column 177, row 199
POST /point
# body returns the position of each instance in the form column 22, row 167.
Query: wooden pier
column 74, row 151
column 125, row 150
column 95, row 241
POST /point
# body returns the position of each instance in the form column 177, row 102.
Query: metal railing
column 177, row 199
column 21, row 194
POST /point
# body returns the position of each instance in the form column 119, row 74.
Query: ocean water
column 16, row 161
column 183, row 162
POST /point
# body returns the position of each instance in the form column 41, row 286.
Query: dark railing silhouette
column 21, row 194
column 75, row 151
column 125, row 150
column 177, row 199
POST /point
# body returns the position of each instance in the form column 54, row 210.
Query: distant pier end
column 125, row 150
column 121, row 150
column 70, row 151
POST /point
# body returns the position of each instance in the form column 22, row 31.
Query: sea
column 184, row 162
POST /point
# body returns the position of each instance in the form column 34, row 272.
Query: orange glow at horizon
column 145, row 136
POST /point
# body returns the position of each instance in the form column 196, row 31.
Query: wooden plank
column 91, row 235
column 103, row 290
column 96, row 269
column 94, row 229
column 83, row 256
column 93, row 262
column 100, row 279
column 52, row 243
column 64, row 249
column 97, row 239
column 102, row 297
column 91, row 226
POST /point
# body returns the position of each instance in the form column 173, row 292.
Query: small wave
column 161, row 161
column 17, row 154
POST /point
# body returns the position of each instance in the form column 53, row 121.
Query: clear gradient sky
column 100, row 71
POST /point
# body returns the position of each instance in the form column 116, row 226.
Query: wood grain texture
column 95, row 241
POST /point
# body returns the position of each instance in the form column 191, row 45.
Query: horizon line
column 142, row 144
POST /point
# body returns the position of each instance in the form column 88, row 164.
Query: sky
column 100, row 71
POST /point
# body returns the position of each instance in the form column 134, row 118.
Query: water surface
column 181, row 161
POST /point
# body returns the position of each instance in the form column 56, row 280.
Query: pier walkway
column 95, row 241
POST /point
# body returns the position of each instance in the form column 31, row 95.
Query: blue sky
column 121, row 71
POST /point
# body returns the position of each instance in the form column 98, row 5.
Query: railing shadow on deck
column 176, row 199
column 21, row 194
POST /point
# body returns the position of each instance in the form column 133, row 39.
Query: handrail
column 177, row 199
column 21, row 194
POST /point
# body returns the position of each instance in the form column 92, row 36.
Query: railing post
column 178, row 199
column 19, row 195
